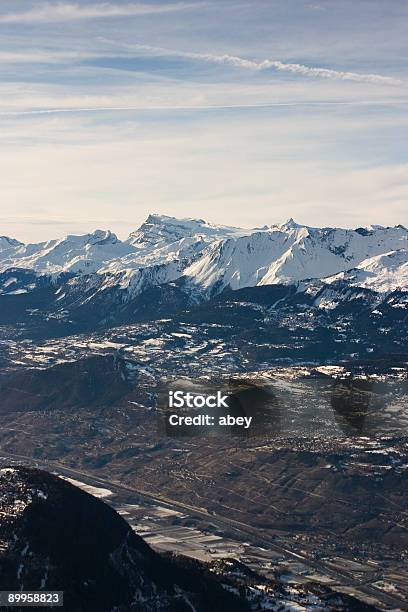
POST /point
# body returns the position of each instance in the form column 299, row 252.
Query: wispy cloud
column 54, row 56
column 70, row 12
column 43, row 56
column 301, row 69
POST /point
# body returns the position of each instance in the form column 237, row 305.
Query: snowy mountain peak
column 163, row 229
column 7, row 243
column 102, row 237
column 374, row 227
column 290, row 224
column 74, row 253
column 156, row 218
column 97, row 237
column 160, row 230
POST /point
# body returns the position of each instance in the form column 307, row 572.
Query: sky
column 241, row 113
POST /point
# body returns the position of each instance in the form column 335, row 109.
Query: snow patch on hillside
column 382, row 273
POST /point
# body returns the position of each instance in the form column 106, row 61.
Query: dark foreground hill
column 54, row 536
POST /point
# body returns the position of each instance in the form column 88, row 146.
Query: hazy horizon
column 123, row 234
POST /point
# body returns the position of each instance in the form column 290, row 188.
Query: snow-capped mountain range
column 211, row 258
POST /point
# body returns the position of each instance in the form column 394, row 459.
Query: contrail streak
column 239, row 62
column 97, row 109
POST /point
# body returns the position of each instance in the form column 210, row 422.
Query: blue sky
column 238, row 112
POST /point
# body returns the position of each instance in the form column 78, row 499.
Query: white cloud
column 69, row 12
column 326, row 73
column 266, row 64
